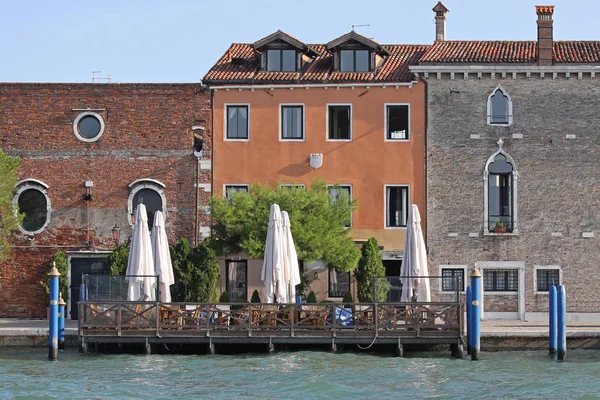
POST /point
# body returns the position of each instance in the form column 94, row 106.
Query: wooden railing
column 280, row 319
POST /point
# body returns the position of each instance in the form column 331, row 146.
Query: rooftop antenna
column 99, row 78
column 359, row 26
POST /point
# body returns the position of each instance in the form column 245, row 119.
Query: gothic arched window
column 499, row 107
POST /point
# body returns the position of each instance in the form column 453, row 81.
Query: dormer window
column 281, row 60
column 355, row 61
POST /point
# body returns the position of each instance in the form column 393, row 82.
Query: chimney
column 440, row 21
column 545, row 35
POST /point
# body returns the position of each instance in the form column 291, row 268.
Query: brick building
column 351, row 104
column 89, row 153
column 512, row 168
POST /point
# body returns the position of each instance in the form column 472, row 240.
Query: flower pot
column 500, row 230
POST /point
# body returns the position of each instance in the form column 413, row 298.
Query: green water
column 26, row 374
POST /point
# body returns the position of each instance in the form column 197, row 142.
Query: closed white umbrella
column 140, row 265
column 162, row 257
column 414, row 260
column 272, row 270
column 292, row 275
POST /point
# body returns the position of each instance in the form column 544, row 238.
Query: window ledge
column 496, row 293
column 514, row 233
column 395, row 227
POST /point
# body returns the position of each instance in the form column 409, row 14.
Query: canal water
column 26, row 374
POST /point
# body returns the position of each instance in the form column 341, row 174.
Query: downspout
column 212, row 153
column 196, row 228
column 425, row 164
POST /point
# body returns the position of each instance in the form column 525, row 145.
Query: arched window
column 150, row 193
column 32, row 201
column 500, row 193
column 499, row 107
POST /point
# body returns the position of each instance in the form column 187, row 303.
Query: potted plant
column 500, row 227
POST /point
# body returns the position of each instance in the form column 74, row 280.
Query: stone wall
column 558, row 180
column 147, row 135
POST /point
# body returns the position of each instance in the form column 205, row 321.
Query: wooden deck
column 329, row 324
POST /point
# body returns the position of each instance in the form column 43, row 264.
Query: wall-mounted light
column 116, row 234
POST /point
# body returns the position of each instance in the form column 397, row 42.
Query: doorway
column 83, row 265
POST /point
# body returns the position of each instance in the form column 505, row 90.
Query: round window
column 88, row 126
column 32, row 203
column 152, row 200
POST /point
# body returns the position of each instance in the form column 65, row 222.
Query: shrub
column 255, row 297
column 59, row 259
column 312, row 298
column 369, row 267
column 225, row 298
column 348, row 300
column 117, row 260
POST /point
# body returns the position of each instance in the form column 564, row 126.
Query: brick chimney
column 440, row 21
column 545, row 35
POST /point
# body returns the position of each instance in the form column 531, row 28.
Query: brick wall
column 558, row 189
column 147, row 135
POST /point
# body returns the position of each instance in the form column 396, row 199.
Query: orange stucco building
column 351, row 103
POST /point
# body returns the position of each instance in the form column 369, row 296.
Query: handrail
column 285, row 319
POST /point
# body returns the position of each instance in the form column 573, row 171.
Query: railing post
column 119, row 318
column 157, row 318
column 53, row 275
column 292, row 314
column 250, row 320
column 375, row 317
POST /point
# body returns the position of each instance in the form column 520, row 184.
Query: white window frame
column 225, row 114
column 385, row 205
column 281, row 105
column 40, row 186
column 545, row 267
column 385, row 123
column 442, row 267
column 344, row 185
column 327, row 121
column 515, row 194
column 489, row 107
column 520, row 266
column 76, row 127
column 148, row 183
column 226, row 185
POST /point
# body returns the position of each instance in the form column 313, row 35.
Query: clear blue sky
column 179, row 40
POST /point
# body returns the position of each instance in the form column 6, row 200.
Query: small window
column 453, row 279
column 355, row 61
column 546, row 277
column 397, row 122
column 281, row 60
column 499, row 108
column 237, row 122
column 148, row 192
column 501, row 280
column 396, row 206
column 340, row 123
column 231, row 190
column 33, row 202
column 236, row 280
column 88, row 126
column 292, row 122
column 336, row 191
column 339, row 283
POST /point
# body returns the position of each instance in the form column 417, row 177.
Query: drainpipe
column 196, row 228
column 426, row 188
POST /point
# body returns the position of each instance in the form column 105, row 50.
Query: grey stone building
column 513, row 168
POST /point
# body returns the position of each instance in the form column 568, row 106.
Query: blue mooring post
column 561, row 300
column 476, row 312
column 552, row 320
column 61, row 323
column 469, row 315
column 53, row 329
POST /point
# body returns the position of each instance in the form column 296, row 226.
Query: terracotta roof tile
column 237, row 64
column 396, row 66
column 577, row 52
column 481, row 52
column 544, row 9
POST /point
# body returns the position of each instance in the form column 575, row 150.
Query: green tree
column 317, row 223
column 59, row 259
column 9, row 219
column 370, row 266
column 196, row 270
column 117, row 260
